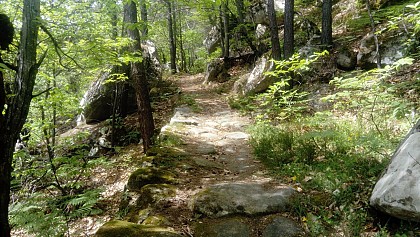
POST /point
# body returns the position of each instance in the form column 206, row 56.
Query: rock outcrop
column 98, row 101
column 212, row 41
column 257, row 81
column 216, row 71
column 390, row 51
column 397, row 191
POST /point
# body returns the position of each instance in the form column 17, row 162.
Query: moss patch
column 154, row 193
column 148, row 175
column 127, row 229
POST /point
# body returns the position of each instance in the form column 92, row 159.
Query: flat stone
column 237, row 136
column 237, row 198
column 127, row 229
column 232, row 227
column 185, row 121
column 202, row 130
column 232, row 124
column 282, row 227
column 154, row 193
column 206, row 149
column 206, row 163
column 148, row 175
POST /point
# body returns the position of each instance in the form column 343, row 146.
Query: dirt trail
column 215, row 139
column 222, row 128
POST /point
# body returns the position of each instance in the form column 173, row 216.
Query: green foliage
column 335, row 157
column 190, row 102
column 329, row 159
column 371, row 94
column 45, row 215
column 285, row 99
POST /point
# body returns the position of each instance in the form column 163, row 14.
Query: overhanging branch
column 58, row 49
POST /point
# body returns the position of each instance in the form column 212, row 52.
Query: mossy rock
column 230, row 227
column 148, row 175
column 154, row 193
column 156, row 221
column 127, row 229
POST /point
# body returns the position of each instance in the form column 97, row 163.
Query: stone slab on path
column 241, row 198
column 118, row 228
column 277, row 226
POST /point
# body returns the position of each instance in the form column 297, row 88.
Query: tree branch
column 42, row 92
column 58, row 49
column 10, row 66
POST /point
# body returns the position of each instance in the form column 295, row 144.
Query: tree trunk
column 225, row 12
column 274, row 31
column 241, row 20
column 373, row 28
column 139, row 77
column 222, row 30
column 143, row 15
column 289, row 33
column 11, row 122
column 172, row 46
column 326, row 34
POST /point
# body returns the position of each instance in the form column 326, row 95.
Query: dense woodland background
column 60, row 49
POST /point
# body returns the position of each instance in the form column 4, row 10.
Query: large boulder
column 127, row 229
column 397, row 191
column 346, row 60
column 216, row 71
column 257, row 81
column 212, row 41
column 237, row 198
column 97, row 103
column 391, row 51
column 259, row 12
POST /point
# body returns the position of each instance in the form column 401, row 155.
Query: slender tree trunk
column 181, row 48
column 241, row 20
column 139, row 77
column 225, row 12
column 274, row 31
column 172, row 46
column 289, row 33
column 11, row 122
column 372, row 23
column 326, row 35
column 143, row 15
column 222, row 30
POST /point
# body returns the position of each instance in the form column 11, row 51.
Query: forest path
column 220, row 176
column 217, row 133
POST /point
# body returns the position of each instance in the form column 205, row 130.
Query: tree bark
column 225, row 12
column 289, row 33
column 139, row 77
column 274, row 31
column 373, row 28
column 222, row 30
column 172, row 46
column 143, row 15
column 326, row 34
column 11, row 122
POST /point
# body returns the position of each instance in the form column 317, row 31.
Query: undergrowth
column 334, row 158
